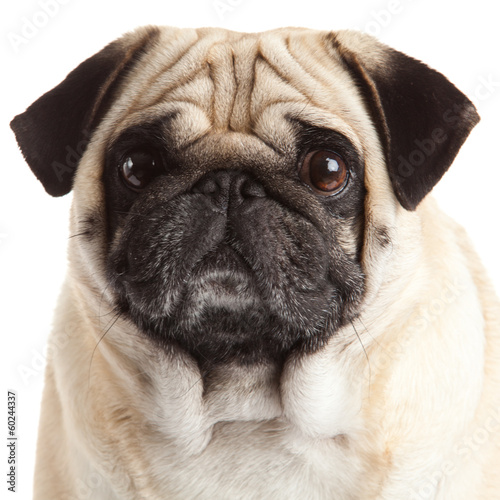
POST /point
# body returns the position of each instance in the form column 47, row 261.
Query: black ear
column 54, row 131
column 421, row 117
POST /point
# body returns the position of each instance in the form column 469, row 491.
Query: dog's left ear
column 422, row 118
column 55, row 130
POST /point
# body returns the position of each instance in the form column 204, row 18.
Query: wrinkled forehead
column 213, row 81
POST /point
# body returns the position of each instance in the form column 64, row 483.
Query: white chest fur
column 240, row 433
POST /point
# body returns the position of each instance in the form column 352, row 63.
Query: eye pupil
column 138, row 168
column 324, row 171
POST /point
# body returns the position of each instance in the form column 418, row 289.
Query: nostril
column 206, row 186
column 252, row 189
column 228, row 188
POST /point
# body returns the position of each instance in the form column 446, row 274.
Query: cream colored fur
column 403, row 404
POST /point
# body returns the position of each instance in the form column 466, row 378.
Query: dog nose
column 229, row 188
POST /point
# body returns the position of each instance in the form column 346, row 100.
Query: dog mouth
column 223, row 279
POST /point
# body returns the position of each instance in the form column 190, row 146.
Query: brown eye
column 138, row 169
column 324, row 171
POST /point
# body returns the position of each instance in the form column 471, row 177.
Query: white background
column 463, row 43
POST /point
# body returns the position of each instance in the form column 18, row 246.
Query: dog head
column 234, row 194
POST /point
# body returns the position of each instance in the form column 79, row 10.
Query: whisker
column 189, row 389
column 366, row 356
column 111, row 324
column 101, row 300
column 83, row 233
column 135, row 214
column 373, row 338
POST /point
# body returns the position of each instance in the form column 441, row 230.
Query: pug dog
column 262, row 300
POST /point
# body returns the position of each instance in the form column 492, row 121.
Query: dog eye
column 138, row 169
column 325, row 172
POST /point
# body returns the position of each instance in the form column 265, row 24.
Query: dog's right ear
column 54, row 131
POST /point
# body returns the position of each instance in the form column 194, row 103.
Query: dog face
column 213, row 242
column 236, row 192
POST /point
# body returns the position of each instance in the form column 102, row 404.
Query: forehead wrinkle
column 221, row 70
column 164, row 77
column 233, row 82
column 309, row 81
column 312, row 55
column 152, row 69
column 288, row 67
column 300, row 78
column 245, row 60
column 271, row 88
